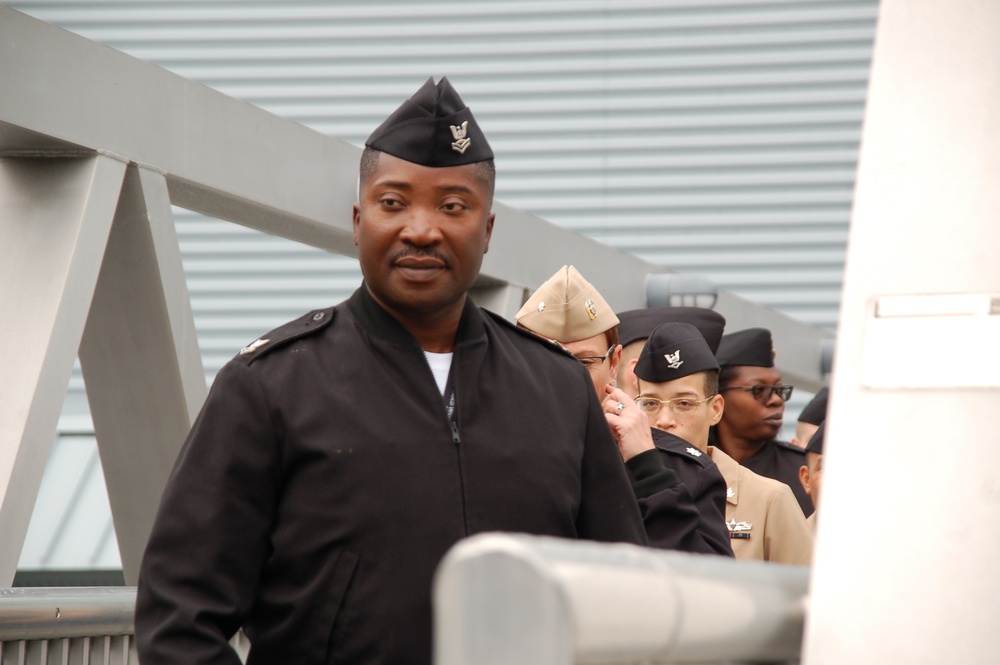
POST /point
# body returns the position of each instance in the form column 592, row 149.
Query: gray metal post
column 905, row 567
column 502, row 599
column 140, row 359
column 55, row 216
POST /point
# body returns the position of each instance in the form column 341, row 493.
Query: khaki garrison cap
column 567, row 308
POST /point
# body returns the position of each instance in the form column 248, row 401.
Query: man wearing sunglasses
column 755, row 408
column 681, row 494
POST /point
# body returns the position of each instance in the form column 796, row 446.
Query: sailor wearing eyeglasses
column 677, row 378
column 680, row 492
column 755, row 407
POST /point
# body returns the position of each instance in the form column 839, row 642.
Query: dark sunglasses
column 762, row 392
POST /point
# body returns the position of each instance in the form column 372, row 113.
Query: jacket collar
column 380, row 323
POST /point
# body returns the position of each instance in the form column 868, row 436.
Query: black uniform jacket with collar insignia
column 782, row 461
column 682, row 495
column 322, row 483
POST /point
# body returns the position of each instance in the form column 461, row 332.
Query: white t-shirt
column 440, row 366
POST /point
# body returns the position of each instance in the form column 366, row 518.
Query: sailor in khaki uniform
column 677, row 382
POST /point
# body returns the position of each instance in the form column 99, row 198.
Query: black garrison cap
column 815, row 444
column 636, row 324
column 814, row 412
column 752, row 346
column 434, row 128
column 673, row 351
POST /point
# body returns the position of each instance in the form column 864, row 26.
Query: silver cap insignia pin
column 461, row 142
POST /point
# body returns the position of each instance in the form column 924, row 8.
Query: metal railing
column 73, row 626
column 504, row 599
column 67, row 626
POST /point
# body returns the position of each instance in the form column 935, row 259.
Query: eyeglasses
column 762, row 393
column 679, row 405
column 593, row 361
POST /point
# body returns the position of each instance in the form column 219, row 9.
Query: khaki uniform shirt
column 764, row 519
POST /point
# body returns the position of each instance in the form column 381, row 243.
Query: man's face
column 745, row 416
column 591, row 350
column 421, row 234
column 692, row 427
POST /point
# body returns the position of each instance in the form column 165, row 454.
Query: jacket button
column 318, row 316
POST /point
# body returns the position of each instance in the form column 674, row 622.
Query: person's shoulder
column 764, row 488
column 676, row 447
column 303, row 327
column 787, row 449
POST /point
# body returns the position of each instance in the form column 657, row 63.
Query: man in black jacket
column 337, row 458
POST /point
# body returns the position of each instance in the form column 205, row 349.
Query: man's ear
column 356, row 215
column 633, row 380
column 804, row 479
column 717, row 405
column 489, row 231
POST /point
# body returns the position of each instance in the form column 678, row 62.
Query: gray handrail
column 49, row 613
column 527, row 600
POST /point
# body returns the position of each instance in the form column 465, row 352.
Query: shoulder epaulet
column 527, row 334
column 303, row 326
column 678, row 447
column 785, row 446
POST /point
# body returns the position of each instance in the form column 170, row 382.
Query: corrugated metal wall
column 716, row 137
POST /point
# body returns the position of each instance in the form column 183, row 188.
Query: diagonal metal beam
column 55, row 216
column 140, row 359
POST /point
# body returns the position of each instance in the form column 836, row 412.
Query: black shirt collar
column 377, row 321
